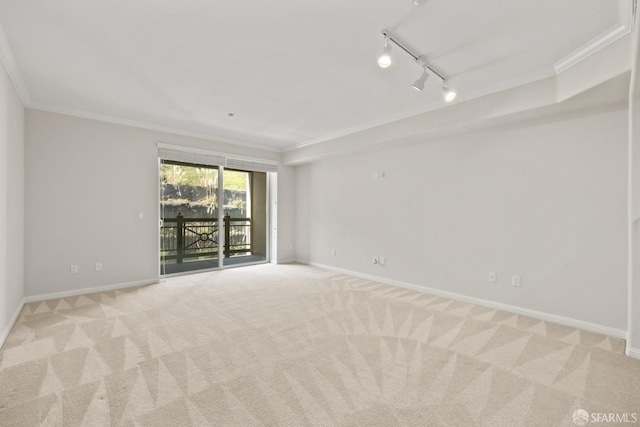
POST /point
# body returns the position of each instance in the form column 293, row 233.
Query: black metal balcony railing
column 183, row 238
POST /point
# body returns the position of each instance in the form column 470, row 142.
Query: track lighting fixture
column 419, row 84
column 384, row 61
column 449, row 94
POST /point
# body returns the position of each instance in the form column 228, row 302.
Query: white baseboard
column 5, row 332
column 75, row 292
column 554, row 318
column 633, row 352
column 291, row 261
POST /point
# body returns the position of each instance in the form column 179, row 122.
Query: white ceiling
column 293, row 72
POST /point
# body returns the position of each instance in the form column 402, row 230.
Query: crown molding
column 621, row 29
column 9, row 61
column 603, row 40
column 149, row 126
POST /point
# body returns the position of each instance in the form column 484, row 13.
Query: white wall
column 633, row 334
column 546, row 202
column 86, row 182
column 286, row 214
column 303, row 215
column 11, row 204
column 633, row 339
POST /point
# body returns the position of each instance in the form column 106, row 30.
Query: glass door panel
column 245, row 217
column 189, row 232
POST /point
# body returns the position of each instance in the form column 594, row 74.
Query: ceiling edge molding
column 519, row 81
column 605, row 39
column 9, row 61
column 148, row 126
column 621, row 29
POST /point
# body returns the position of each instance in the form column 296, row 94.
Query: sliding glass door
column 189, row 232
column 197, row 232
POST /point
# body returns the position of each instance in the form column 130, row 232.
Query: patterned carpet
column 297, row 346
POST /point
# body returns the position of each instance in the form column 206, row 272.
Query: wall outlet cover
column 515, row 281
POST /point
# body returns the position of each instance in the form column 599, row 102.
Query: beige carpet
column 297, row 346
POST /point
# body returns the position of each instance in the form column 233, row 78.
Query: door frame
column 221, row 225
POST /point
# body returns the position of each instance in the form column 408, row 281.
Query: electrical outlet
column 74, row 269
column 515, row 281
column 98, row 266
column 493, row 277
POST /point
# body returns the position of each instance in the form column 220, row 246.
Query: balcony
column 193, row 243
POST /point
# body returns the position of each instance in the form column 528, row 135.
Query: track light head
column 419, row 84
column 384, row 61
column 449, row 94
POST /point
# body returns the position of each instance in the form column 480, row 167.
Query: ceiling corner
column 7, row 58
